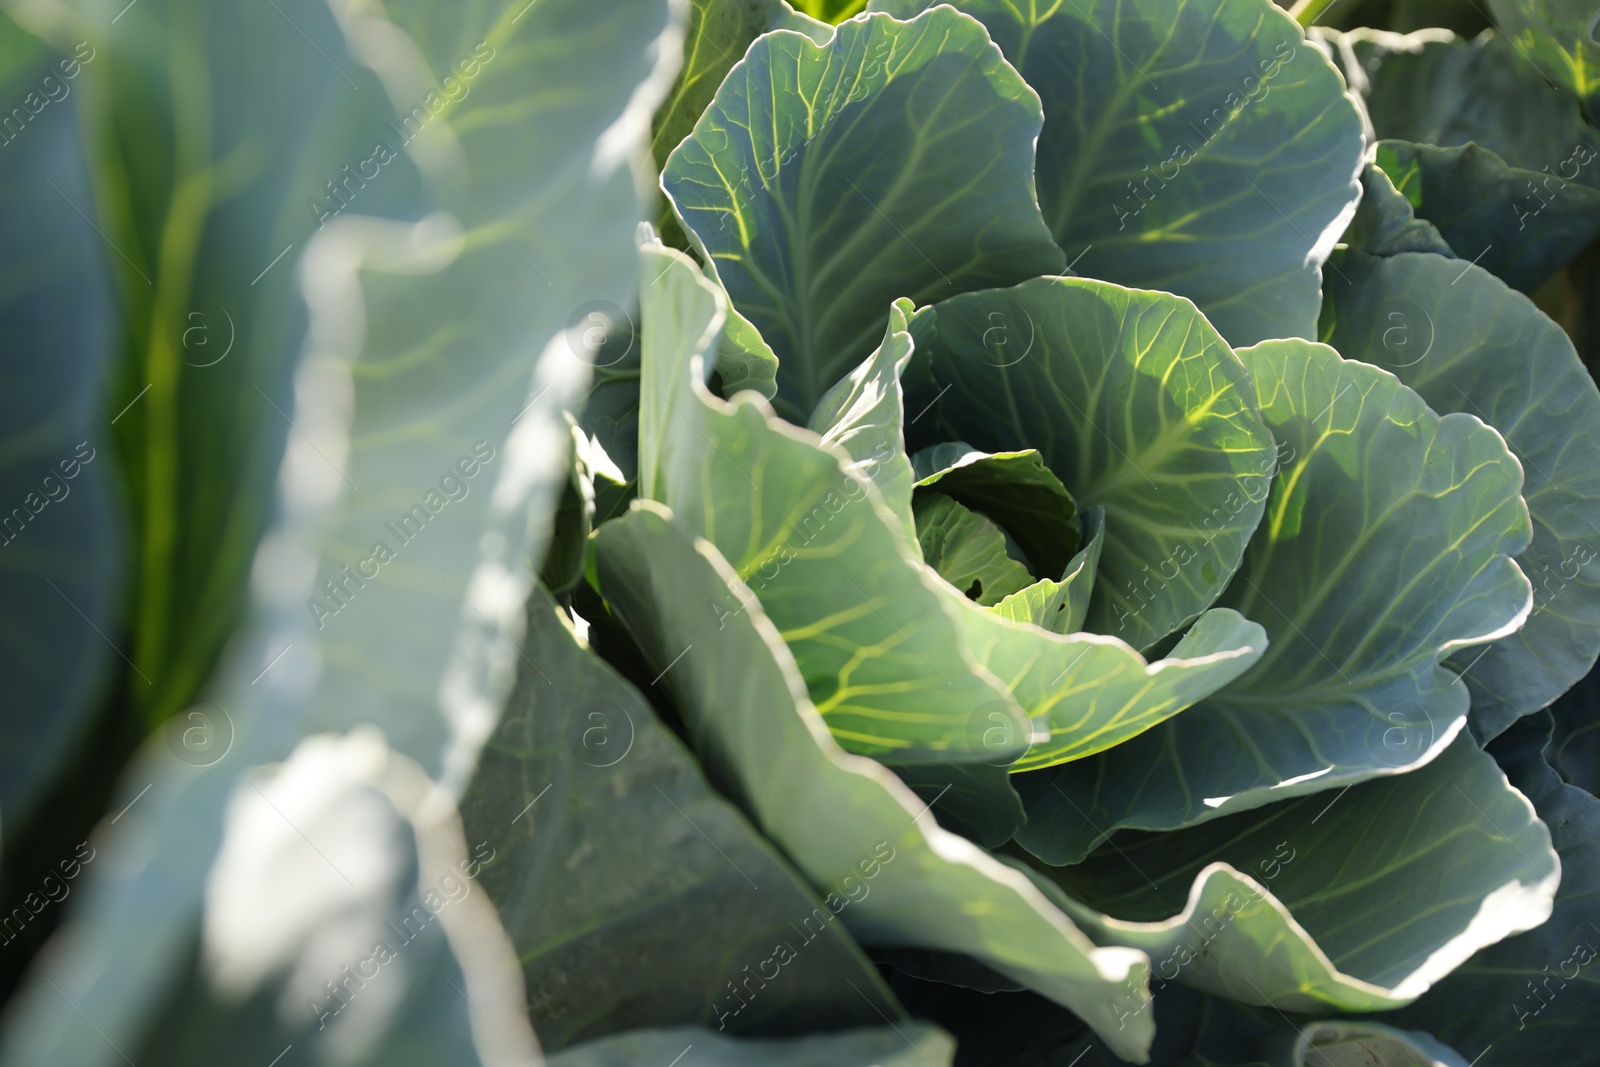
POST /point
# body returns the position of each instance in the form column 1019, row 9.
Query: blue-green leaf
column 60, row 536
column 1202, row 148
column 614, row 823
column 825, row 181
column 1465, row 342
column 1386, row 547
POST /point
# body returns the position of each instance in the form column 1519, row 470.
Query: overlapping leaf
column 1533, row 998
column 878, row 644
column 862, row 414
column 1355, row 903
column 1558, row 37
column 1520, row 225
column 1136, row 404
column 1385, row 548
column 1465, row 342
column 1202, row 148
column 599, row 824
column 1015, row 489
column 717, row 34
column 858, row 834
column 1431, row 87
column 1386, row 222
column 1089, row 693
column 391, row 401
column 825, row 181
column 1061, row 606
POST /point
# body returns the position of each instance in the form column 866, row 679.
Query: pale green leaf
column 862, row 414
column 1088, row 693
column 874, row 632
column 1136, row 404
column 1061, row 607
column 393, row 396
column 855, row 831
column 1015, row 489
column 967, row 550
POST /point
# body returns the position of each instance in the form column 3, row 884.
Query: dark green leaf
column 1385, row 548
column 61, row 541
column 1202, row 148
column 1465, row 342
column 906, row 1045
column 1558, row 37
column 1357, row 901
column 604, row 827
column 1533, row 998
column 1521, row 226
column 825, row 181
column 1061, row 607
column 1386, row 222
column 1430, row 87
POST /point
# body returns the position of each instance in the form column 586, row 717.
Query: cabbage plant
column 1051, row 539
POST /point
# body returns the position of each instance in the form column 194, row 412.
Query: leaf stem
column 1306, row 12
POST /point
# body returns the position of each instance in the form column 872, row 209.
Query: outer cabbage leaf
column 1386, row 548
column 1201, row 148
column 1358, row 903
column 874, row 633
column 1533, row 998
column 846, row 822
column 717, row 33
column 1453, row 333
column 1192, row 1030
column 1386, row 222
column 600, row 823
column 400, row 959
column 59, row 528
column 1430, row 87
column 1520, row 225
column 907, row 1045
column 1136, row 404
column 1558, row 37
column 394, row 399
column 825, row 181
